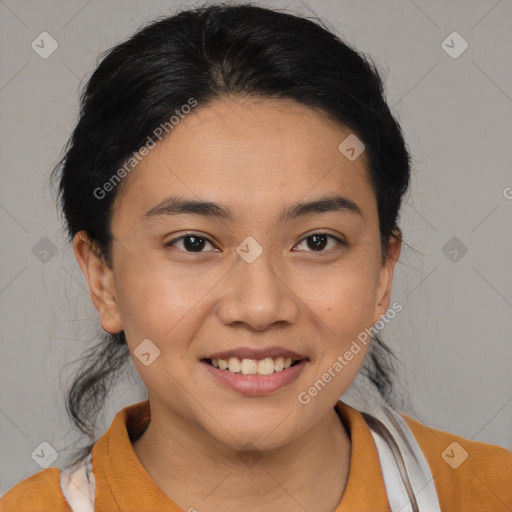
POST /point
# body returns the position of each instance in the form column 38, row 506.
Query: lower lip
column 256, row 384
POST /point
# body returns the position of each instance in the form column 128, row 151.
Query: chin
column 262, row 436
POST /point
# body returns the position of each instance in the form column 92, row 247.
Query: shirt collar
column 129, row 485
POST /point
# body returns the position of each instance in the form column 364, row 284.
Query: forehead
column 249, row 152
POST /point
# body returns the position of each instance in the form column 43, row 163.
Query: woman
column 232, row 191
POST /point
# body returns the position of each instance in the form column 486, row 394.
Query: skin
column 255, row 156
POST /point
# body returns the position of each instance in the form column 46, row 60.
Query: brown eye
column 190, row 243
column 317, row 242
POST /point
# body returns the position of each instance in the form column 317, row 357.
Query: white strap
column 397, row 492
column 78, row 486
column 403, row 464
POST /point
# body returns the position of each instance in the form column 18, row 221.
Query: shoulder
column 37, row 493
column 470, row 475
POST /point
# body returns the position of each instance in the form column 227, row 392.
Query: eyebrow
column 176, row 205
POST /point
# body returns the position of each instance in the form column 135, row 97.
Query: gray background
column 453, row 335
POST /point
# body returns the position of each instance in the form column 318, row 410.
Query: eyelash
column 193, row 235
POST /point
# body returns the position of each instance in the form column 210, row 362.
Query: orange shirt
column 482, row 483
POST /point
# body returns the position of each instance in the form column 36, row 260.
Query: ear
column 383, row 297
column 100, row 279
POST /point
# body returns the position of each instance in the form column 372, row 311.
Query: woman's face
column 255, row 279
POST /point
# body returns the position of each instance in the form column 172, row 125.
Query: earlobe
column 100, row 279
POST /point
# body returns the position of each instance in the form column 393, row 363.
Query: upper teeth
column 265, row 366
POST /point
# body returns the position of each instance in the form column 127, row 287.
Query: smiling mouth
column 262, row 367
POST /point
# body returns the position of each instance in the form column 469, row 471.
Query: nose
column 255, row 295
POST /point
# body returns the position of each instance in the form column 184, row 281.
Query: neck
column 196, row 472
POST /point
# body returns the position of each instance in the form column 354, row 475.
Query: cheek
column 344, row 303
column 344, row 295
column 154, row 298
column 345, row 309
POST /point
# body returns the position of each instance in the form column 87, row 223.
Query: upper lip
column 256, row 353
